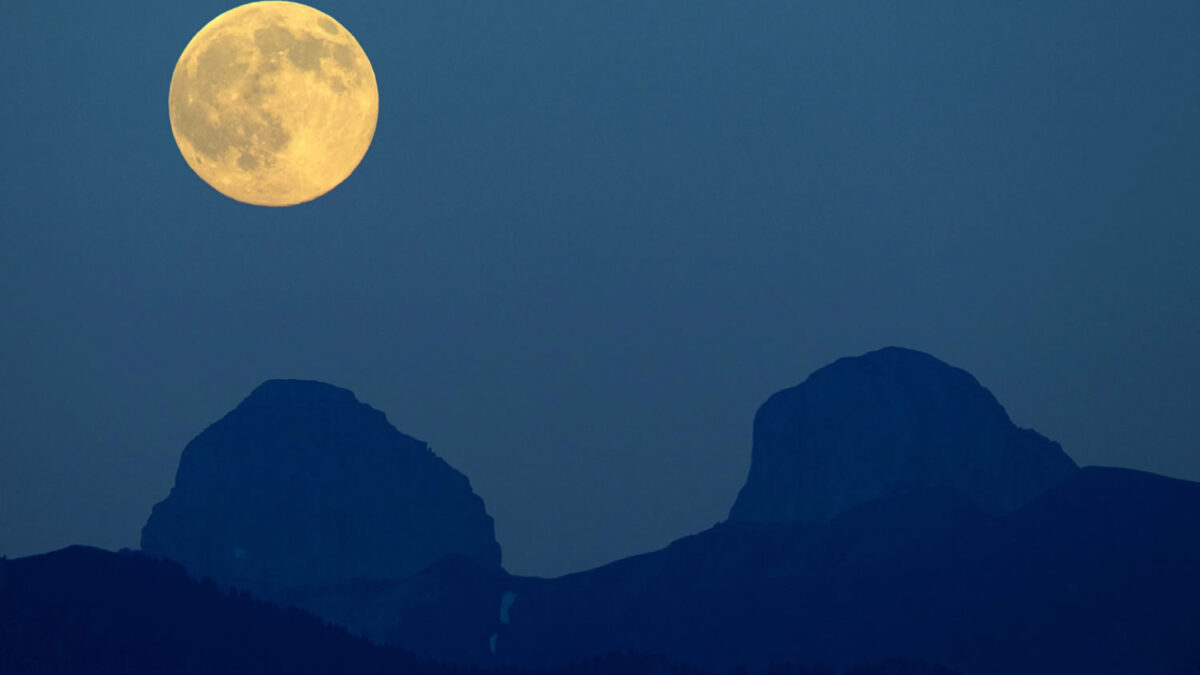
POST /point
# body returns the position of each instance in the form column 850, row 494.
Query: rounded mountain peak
column 885, row 423
column 300, row 392
column 303, row 485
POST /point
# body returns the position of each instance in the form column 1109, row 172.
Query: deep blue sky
column 591, row 237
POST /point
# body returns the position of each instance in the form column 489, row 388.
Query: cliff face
column 884, row 424
column 302, row 485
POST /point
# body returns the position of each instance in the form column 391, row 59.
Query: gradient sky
column 590, row 238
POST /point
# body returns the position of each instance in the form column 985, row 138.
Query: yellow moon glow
column 273, row 103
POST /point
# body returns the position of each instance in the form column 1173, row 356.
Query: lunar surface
column 273, row 103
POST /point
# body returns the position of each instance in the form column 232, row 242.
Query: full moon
column 273, row 103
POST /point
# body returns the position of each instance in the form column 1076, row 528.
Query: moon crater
column 273, row 103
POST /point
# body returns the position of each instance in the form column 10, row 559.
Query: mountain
column 81, row 610
column 302, row 485
column 886, row 423
column 892, row 511
column 961, row 539
column 1097, row 575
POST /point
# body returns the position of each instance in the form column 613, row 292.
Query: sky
column 590, row 238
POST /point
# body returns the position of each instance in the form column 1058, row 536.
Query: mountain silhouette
column 303, row 485
column 892, row 511
column 1097, row 575
column 886, row 423
column 82, row 610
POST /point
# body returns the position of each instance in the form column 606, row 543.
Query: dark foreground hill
column 84, row 611
column 1098, row 575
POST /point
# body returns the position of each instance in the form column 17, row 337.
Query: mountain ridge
column 952, row 527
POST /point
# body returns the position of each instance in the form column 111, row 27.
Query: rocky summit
column 303, row 486
column 888, row 423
